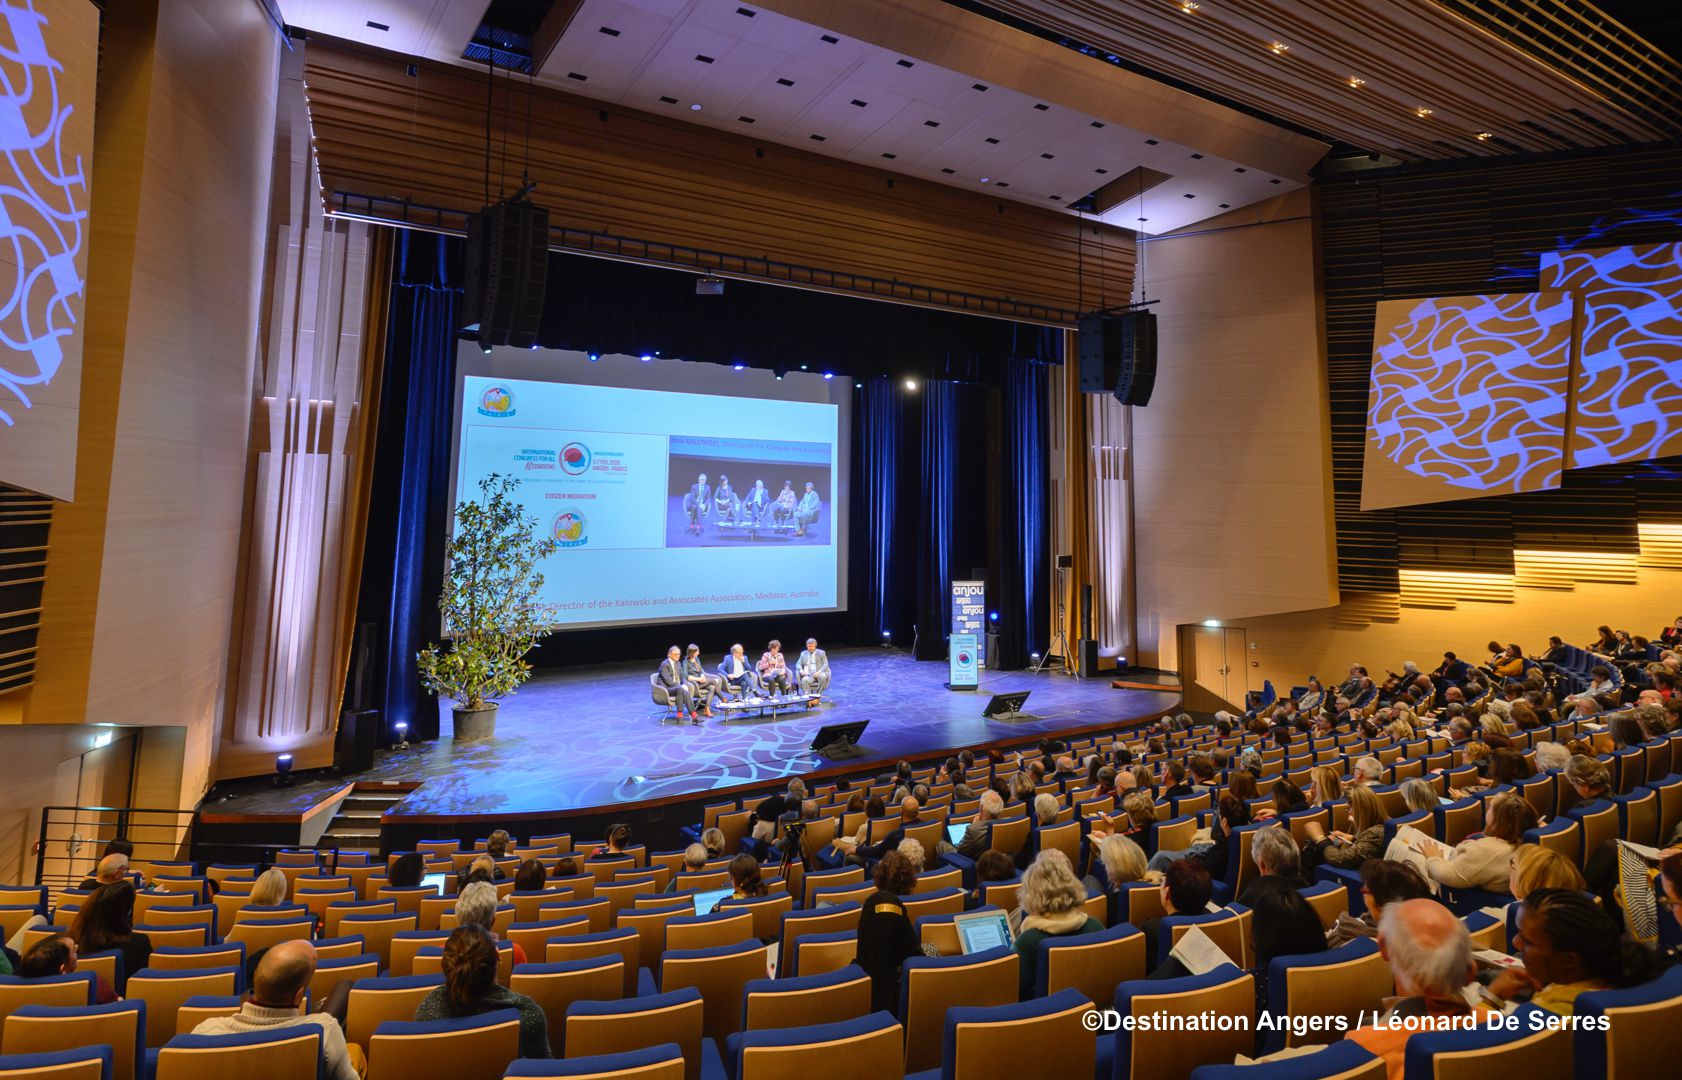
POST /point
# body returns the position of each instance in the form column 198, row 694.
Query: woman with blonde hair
column 1120, row 861
column 1325, row 784
column 1366, row 818
column 1419, row 795
column 1050, row 904
column 1535, row 867
column 270, row 889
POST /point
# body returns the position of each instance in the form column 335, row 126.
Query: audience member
column 112, row 868
column 470, row 988
column 1383, row 882
column 278, row 989
column 269, row 890
column 1278, row 863
column 106, row 921
column 1569, row 945
column 1050, row 904
column 57, row 955
column 1366, row 818
column 974, row 840
column 530, row 876
column 1430, row 953
column 1481, row 862
column 406, row 871
column 477, row 906
column 1535, row 867
column 886, row 938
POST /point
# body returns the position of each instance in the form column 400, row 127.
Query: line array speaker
column 506, row 271
column 1118, row 356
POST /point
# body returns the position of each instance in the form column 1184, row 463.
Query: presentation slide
column 673, row 491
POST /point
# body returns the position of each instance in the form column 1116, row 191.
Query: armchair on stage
column 666, row 697
column 741, row 685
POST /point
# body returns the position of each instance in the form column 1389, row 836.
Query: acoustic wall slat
column 1481, row 229
column 25, row 519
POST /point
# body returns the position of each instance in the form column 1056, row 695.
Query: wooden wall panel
column 383, row 132
column 1231, row 502
column 141, row 569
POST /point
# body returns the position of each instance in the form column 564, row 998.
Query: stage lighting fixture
column 283, row 771
column 1034, row 656
column 739, row 367
column 535, row 346
column 647, row 359
column 911, row 384
column 802, row 367
column 402, row 727
column 594, row 357
column 779, row 372
column 858, row 386
column 992, row 616
column 828, row 375
column 485, row 347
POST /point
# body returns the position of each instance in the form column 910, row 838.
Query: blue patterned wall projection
column 47, row 61
column 1628, row 381
column 1467, row 397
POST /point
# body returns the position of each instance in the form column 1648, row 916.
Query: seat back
column 870, row 1046
column 205, row 1007
column 285, row 1053
column 332, row 924
column 472, row 1048
column 1638, row 816
column 830, row 920
column 1008, row 836
column 1347, row 981
column 1535, row 1054
column 613, row 1027
column 1328, row 899
column 1093, row 964
column 166, row 991
column 378, row 931
column 377, row 1001
column 721, row 975
column 842, row 994
column 820, row 879
column 945, row 902
column 330, row 973
column 1225, row 928
column 708, row 931
column 405, row 946
column 1162, row 1053
column 1459, row 819
column 819, row 954
column 556, row 986
column 1641, row 1033
column 259, row 934
column 1599, row 823
column 1042, row 1037
column 1340, row 1061
column 73, row 989
column 82, row 1063
column 767, row 912
column 176, row 958
column 930, row 985
column 43, row 1029
column 598, row 910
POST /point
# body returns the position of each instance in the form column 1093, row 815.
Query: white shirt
column 253, row 1017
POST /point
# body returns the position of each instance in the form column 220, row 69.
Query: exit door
column 1220, row 666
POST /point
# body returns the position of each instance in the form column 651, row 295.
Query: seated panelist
column 702, row 686
column 773, row 669
column 783, row 508
column 725, row 504
column 738, row 674
column 806, row 511
column 812, row 669
column 671, row 677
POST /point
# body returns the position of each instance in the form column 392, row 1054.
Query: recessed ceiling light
column 978, row 86
column 1042, row 107
column 1002, row 183
column 1279, row 48
column 1150, row 142
column 817, row 138
column 860, row 104
column 986, row 179
column 890, row 157
column 1188, row 6
column 1097, row 123
column 575, row 75
column 1422, row 113
column 1484, row 135
column 949, row 172
column 992, row 141
column 931, row 123
column 1197, row 157
column 1356, row 82
column 1048, row 157
column 1102, row 172
column 703, row 58
column 695, row 107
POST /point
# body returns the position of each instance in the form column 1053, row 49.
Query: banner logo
column 575, row 459
column 497, row 401
column 568, row 529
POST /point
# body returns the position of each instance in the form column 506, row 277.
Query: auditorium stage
column 589, row 741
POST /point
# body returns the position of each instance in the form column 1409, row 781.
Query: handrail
column 65, row 825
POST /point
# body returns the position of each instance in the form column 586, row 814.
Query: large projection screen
column 611, row 454
column 48, row 59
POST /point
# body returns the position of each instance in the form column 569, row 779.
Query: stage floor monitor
column 836, row 741
column 1006, row 706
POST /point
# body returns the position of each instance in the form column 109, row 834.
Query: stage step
column 356, row 825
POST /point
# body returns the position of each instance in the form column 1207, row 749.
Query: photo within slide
column 727, row 492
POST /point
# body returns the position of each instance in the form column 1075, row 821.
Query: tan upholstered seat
column 871, row 1050
column 1095, row 964
column 164, row 992
column 767, row 913
column 373, row 1002
column 810, row 955
column 623, row 943
column 600, row 978
column 1041, row 1038
column 721, row 975
column 632, row 1028
column 1347, row 981
column 1158, row 1054
column 327, row 976
column 843, row 997
column 189, row 1017
column 477, row 1048
column 377, row 931
column 931, row 987
column 116, row 1026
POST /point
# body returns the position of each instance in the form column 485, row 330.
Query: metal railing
column 72, row 838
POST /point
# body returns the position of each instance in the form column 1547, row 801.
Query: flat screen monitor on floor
column 1005, row 706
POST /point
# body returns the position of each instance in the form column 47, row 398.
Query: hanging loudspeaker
column 1118, row 356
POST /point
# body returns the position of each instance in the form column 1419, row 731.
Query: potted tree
column 490, row 609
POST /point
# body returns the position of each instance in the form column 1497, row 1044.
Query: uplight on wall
column 1211, row 622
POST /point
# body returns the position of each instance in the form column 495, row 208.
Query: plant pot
column 474, row 724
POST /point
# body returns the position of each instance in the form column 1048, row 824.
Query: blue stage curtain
column 1026, row 599
column 404, row 560
column 879, row 430
column 941, row 419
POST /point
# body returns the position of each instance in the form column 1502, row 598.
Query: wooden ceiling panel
column 1536, row 75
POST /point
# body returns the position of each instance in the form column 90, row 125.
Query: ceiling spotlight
column 1211, row 622
column 858, row 386
column 986, row 179
column 1279, row 48
column 1484, row 136
column 485, row 347
column 828, row 375
column 1188, row 6
column 1356, row 82
column 911, row 384
column 802, row 367
column 695, row 107
column 1422, row 113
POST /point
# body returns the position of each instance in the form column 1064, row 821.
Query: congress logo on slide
column 575, row 459
column 497, row 401
column 568, row 529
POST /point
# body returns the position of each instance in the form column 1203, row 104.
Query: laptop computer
column 435, row 882
column 979, row 931
column 705, row 901
column 955, row 833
